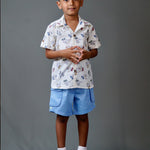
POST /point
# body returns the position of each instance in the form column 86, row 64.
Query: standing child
column 71, row 42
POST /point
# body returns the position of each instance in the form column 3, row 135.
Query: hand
column 70, row 54
column 84, row 54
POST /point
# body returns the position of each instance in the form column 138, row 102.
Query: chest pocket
column 82, row 40
column 64, row 42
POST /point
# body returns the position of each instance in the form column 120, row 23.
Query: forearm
column 92, row 53
column 51, row 54
column 69, row 53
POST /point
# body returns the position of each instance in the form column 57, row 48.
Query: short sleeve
column 93, row 40
column 49, row 39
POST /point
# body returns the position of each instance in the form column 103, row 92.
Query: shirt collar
column 62, row 22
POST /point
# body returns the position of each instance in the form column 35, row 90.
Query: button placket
column 74, row 35
column 75, row 65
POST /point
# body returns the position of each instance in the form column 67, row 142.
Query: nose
column 71, row 2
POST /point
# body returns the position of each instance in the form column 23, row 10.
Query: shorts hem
column 84, row 112
column 73, row 113
column 60, row 113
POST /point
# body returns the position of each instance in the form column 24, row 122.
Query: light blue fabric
column 67, row 102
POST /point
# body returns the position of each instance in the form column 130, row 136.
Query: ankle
column 62, row 148
column 82, row 148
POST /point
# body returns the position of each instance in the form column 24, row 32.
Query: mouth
column 71, row 8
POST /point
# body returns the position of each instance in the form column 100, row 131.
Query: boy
column 71, row 41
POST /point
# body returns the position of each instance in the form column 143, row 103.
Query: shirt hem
column 72, row 87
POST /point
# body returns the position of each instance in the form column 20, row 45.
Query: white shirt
column 59, row 36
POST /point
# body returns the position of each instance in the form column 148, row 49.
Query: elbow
column 47, row 54
column 96, row 52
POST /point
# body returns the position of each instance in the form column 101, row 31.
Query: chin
column 72, row 14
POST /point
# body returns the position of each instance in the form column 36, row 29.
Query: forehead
column 68, row 0
column 64, row 1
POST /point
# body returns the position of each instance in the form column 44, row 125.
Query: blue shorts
column 67, row 102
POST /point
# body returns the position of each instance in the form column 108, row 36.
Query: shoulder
column 91, row 27
column 53, row 25
column 87, row 23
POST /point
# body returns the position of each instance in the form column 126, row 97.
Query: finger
column 81, row 49
column 73, row 47
column 75, row 62
column 75, row 59
column 76, row 51
column 76, row 56
column 81, row 57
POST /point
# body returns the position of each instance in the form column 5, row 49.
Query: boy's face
column 70, row 7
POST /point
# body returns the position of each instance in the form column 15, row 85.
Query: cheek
column 64, row 7
column 78, row 5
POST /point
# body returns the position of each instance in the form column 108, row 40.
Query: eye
column 68, row 0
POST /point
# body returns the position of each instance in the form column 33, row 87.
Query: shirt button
column 75, row 72
column 74, row 35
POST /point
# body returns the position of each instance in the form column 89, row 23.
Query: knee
column 62, row 119
column 82, row 118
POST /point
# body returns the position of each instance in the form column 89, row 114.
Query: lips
column 71, row 8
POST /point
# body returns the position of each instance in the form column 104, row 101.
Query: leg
column 83, row 126
column 61, row 126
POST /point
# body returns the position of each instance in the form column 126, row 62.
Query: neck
column 71, row 18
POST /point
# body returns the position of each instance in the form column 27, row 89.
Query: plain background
column 121, row 119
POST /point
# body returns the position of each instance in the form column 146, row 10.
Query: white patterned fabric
column 59, row 36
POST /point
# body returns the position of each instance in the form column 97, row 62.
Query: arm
column 92, row 53
column 87, row 54
column 69, row 53
column 51, row 54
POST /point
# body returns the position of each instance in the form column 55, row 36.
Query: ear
column 58, row 4
column 81, row 3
